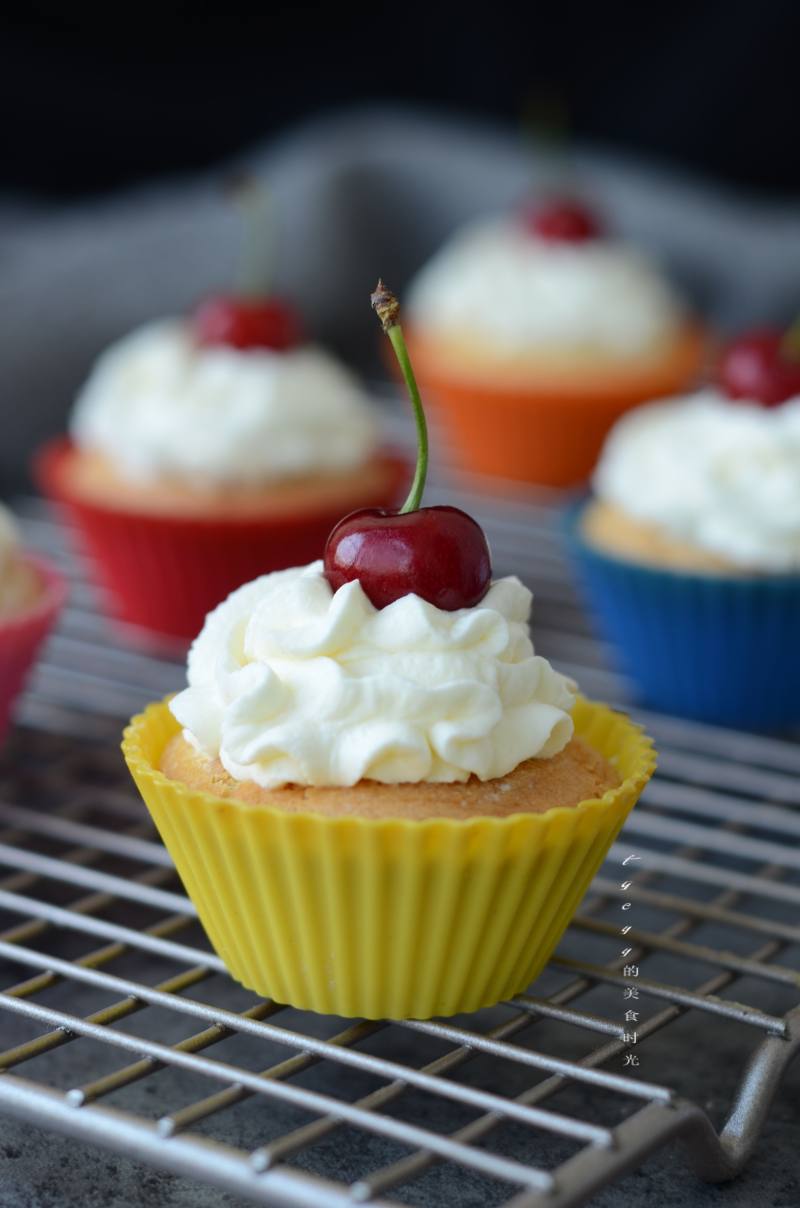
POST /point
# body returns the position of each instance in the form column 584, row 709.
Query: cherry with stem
column 250, row 317
column 437, row 553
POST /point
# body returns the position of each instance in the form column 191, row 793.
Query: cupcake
column 380, row 799
column 533, row 333
column 31, row 595
column 203, row 452
column 689, row 549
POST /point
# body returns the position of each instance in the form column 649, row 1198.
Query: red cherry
column 439, row 553
column 757, row 366
column 562, row 220
column 244, row 322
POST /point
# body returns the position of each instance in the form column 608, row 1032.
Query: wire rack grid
column 120, row 1027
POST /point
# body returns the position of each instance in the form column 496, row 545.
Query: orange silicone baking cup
column 549, row 431
column 386, row 917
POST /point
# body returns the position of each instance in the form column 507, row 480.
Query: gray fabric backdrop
column 358, row 194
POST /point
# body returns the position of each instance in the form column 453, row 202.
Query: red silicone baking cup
column 164, row 573
column 22, row 635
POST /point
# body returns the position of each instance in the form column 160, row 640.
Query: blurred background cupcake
column 209, row 449
column 533, row 331
column 689, row 549
column 32, row 593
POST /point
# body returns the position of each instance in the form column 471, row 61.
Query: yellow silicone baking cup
column 386, row 917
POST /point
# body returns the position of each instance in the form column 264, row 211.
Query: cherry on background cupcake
column 251, row 316
column 762, row 365
column 237, row 321
column 562, row 220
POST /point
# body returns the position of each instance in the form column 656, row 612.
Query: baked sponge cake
column 534, row 786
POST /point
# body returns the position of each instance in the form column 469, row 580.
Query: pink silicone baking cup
column 22, row 635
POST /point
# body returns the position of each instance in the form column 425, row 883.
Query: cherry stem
column 252, row 275
column 387, row 308
column 790, row 344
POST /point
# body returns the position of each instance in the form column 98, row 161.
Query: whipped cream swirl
column 496, row 279
column 723, row 475
column 290, row 682
column 158, row 405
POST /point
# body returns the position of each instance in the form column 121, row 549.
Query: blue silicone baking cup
column 717, row 648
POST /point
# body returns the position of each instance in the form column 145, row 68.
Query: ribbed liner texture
column 717, row 648
column 386, row 917
column 21, row 636
column 164, row 573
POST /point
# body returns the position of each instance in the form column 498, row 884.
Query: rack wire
column 120, row 1027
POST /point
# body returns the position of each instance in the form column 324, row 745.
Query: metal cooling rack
column 120, row 1027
